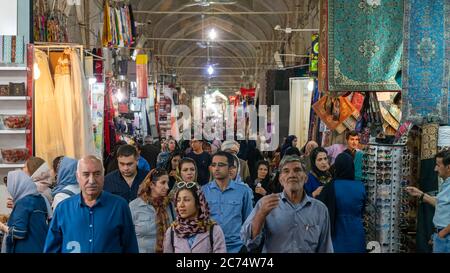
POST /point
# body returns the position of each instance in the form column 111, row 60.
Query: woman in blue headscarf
column 66, row 181
column 27, row 226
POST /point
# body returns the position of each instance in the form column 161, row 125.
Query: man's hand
column 413, row 191
column 268, row 203
column 442, row 234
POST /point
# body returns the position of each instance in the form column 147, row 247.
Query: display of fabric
column 323, row 47
column 426, row 60
column 429, row 141
column 364, row 44
column 48, row 138
column 50, row 23
column 12, row 49
column 84, row 138
column 118, row 25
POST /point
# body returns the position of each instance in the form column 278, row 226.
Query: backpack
column 211, row 237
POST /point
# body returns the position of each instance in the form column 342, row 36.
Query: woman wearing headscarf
column 291, row 141
column 260, row 185
column 345, row 199
column 66, row 181
column 193, row 231
column 40, row 173
column 27, row 226
column 152, row 211
column 319, row 174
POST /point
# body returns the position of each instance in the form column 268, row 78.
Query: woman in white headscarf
column 27, row 226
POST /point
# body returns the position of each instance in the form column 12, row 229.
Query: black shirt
column 116, row 184
column 202, row 161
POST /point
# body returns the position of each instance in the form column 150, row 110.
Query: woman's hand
column 9, row 203
column 317, row 192
column 260, row 190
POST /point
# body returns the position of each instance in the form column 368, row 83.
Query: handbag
column 17, row 89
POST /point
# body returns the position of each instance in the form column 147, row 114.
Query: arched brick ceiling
column 243, row 56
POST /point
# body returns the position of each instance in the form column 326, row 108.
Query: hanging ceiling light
column 212, row 34
column 210, row 70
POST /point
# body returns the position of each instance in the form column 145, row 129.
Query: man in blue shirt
column 290, row 221
column 126, row 180
column 93, row 221
column 441, row 219
column 230, row 202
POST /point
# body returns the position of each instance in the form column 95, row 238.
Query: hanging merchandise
column 97, row 116
column 48, row 138
column 366, row 57
column 334, row 111
column 50, row 23
column 323, row 48
column 142, row 76
column 426, row 55
column 314, row 56
column 12, row 50
column 118, row 25
column 385, row 173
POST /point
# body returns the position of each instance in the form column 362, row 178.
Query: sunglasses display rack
column 383, row 174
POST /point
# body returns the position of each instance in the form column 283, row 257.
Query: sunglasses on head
column 186, row 185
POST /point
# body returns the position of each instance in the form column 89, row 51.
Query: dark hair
column 445, row 155
column 229, row 157
column 55, row 163
column 169, row 161
column 127, row 150
column 265, row 163
column 145, row 191
column 315, row 153
column 185, row 160
column 193, row 190
column 351, row 133
column 292, row 151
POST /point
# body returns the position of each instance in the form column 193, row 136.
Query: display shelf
column 13, row 68
column 14, row 132
column 11, row 166
column 14, row 98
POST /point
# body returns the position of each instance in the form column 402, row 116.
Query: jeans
column 441, row 245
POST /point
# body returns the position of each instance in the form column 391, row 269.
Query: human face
column 90, row 178
column 353, row 142
column 187, row 172
column 148, row 141
column 220, row 168
column 294, row 142
column 186, row 206
column 442, row 170
column 322, row 162
column 127, row 165
column 262, row 171
column 196, row 145
column 292, row 177
column 175, row 161
column 310, row 146
column 171, row 145
column 160, row 187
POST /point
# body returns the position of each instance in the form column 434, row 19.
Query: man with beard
column 289, row 221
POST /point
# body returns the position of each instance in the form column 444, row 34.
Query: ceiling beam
column 204, row 57
column 214, row 12
column 215, row 41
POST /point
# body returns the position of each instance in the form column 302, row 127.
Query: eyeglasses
column 186, row 185
column 220, row 164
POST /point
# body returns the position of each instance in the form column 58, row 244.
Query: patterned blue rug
column 365, row 44
column 426, row 61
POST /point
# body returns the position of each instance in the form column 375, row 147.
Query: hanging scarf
column 162, row 220
column 185, row 228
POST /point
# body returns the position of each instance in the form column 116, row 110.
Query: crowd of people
column 197, row 196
